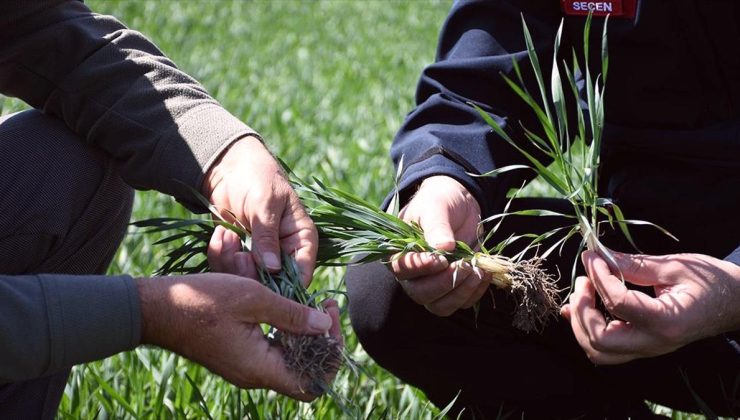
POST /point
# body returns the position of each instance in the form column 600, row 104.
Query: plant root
column 311, row 357
column 536, row 295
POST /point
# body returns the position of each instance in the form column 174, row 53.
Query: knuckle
column 265, row 235
column 294, row 314
column 260, row 194
column 253, row 298
column 615, row 304
column 597, row 342
column 415, row 261
column 635, row 264
column 439, row 310
column 672, row 333
column 417, row 298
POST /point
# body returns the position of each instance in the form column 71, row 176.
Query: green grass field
column 327, row 84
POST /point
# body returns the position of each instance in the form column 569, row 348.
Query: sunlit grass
column 327, row 84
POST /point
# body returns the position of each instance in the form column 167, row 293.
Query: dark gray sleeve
column 116, row 90
column 50, row 322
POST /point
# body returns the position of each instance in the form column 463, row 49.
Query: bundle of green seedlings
column 311, row 357
column 571, row 166
column 351, row 228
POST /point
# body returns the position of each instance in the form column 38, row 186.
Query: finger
column 583, row 306
column 417, row 264
column 245, row 265
column 630, row 305
column 477, row 294
column 643, row 270
column 231, row 245
column 274, row 374
column 425, row 290
column 265, row 224
column 613, row 337
column 458, row 297
column 221, row 248
column 585, row 318
column 624, row 338
column 332, row 308
column 435, row 222
column 565, row 311
column 303, row 243
column 215, row 250
column 287, row 315
column 305, row 258
column 285, row 381
column 604, row 342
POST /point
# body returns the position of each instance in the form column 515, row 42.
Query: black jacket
column 671, row 150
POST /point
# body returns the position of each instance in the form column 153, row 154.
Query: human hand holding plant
column 225, row 254
column 249, row 183
column 696, row 297
column 214, row 320
column 446, row 212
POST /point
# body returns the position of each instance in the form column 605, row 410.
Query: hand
column 446, row 212
column 225, row 254
column 214, row 320
column 696, row 297
column 249, row 182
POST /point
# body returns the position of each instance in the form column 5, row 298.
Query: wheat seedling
column 573, row 175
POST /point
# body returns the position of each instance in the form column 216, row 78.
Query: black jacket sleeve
column 444, row 135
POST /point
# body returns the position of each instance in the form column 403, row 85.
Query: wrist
column 157, row 327
column 218, row 169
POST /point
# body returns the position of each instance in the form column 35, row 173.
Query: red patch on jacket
column 613, row 8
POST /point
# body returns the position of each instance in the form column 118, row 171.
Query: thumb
column 435, row 222
column 642, row 270
column 287, row 315
column 265, row 224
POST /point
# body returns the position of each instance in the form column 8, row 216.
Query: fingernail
column 319, row 321
column 439, row 242
column 271, row 261
column 436, row 258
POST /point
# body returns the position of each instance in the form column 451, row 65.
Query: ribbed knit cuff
column 207, row 131
column 90, row 317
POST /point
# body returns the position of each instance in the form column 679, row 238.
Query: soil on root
column 536, row 295
column 312, row 357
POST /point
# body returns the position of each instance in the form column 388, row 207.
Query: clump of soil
column 534, row 291
column 536, row 295
column 312, row 357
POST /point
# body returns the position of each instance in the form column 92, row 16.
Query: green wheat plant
column 574, row 153
column 355, row 231
column 312, row 358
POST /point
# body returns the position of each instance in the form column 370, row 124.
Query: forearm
column 444, row 135
column 116, row 90
column 50, row 322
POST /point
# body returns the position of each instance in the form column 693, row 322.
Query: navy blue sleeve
column 444, row 135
